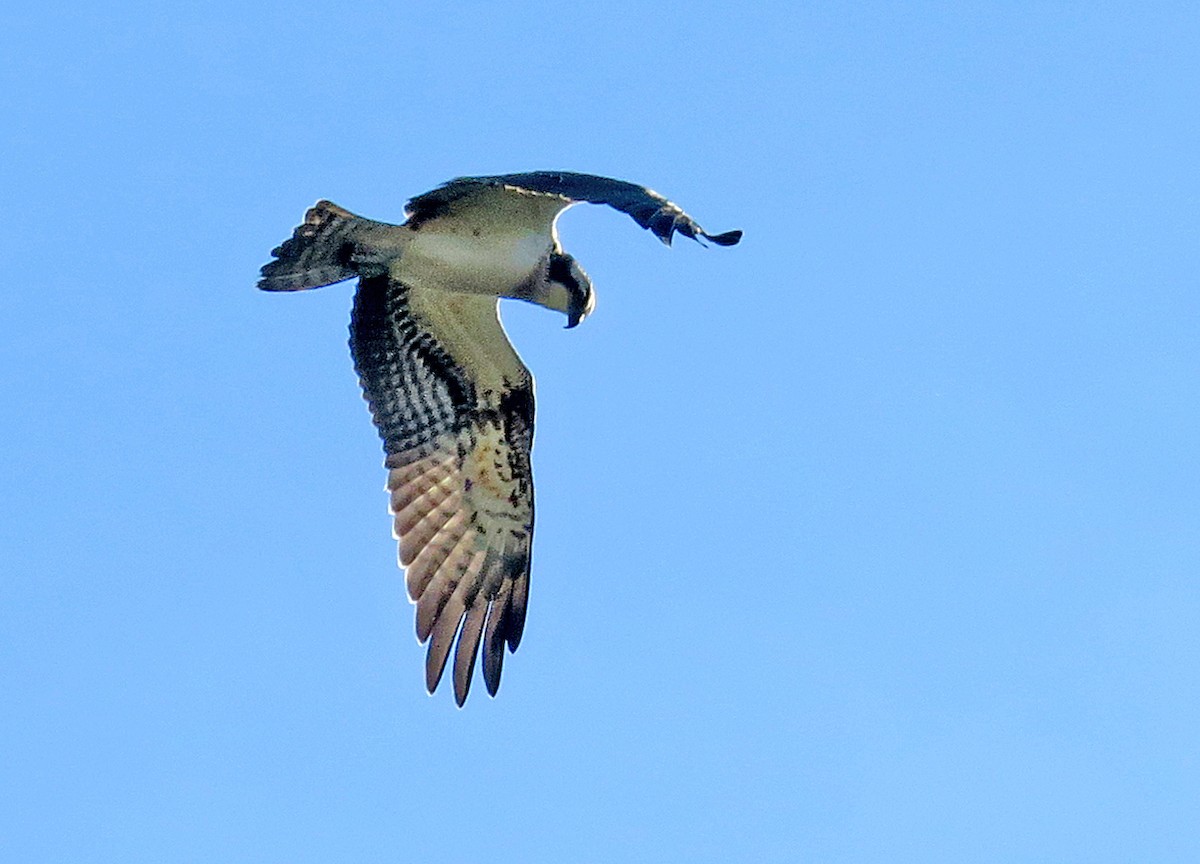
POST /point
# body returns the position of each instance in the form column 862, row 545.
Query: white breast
column 488, row 247
column 477, row 265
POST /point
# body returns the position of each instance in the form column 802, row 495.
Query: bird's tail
column 323, row 250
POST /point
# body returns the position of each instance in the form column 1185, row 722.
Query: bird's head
column 570, row 289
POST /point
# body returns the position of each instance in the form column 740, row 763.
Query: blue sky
column 874, row 538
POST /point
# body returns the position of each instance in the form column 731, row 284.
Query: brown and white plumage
column 451, row 399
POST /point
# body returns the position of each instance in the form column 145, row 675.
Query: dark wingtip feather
column 441, row 640
column 662, row 224
column 493, row 658
column 516, row 628
column 435, row 664
column 467, row 651
column 493, row 639
column 729, row 238
column 644, row 213
column 492, row 667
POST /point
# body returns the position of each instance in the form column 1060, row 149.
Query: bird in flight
column 451, row 399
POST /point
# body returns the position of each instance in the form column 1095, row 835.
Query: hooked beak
column 581, row 298
column 566, row 274
column 578, row 309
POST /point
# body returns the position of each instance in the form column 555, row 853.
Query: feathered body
column 450, row 397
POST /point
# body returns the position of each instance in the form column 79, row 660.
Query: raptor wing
column 459, row 476
column 649, row 209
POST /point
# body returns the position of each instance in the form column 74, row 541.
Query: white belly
column 489, row 264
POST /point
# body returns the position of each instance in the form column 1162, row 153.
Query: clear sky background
column 874, row 538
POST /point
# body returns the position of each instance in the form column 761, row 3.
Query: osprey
column 451, row 399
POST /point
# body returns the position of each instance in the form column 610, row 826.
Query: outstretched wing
column 458, row 447
column 648, row 208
